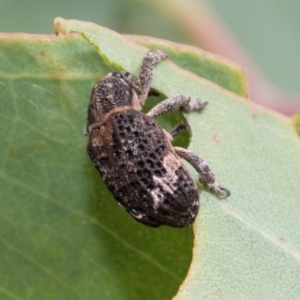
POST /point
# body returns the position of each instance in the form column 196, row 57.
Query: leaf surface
column 204, row 64
column 62, row 234
column 248, row 244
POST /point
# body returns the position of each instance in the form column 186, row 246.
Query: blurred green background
column 268, row 30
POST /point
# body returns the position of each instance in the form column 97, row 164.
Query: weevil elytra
column 134, row 155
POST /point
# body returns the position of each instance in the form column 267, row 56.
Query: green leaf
column 204, row 64
column 248, row 244
column 62, row 234
column 297, row 122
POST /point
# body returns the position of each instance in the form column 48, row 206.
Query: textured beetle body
column 136, row 161
column 134, row 155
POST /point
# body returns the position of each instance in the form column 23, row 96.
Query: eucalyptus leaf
column 247, row 246
column 204, row 64
column 62, row 234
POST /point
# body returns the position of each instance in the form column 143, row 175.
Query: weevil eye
column 117, row 74
column 130, row 78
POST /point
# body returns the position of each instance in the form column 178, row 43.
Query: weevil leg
column 178, row 129
column 182, row 102
column 146, row 72
column 206, row 176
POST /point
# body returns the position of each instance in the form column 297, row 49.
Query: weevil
column 134, row 154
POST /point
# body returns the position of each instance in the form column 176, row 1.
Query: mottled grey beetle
column 134, row 155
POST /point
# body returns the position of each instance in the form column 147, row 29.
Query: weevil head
column 115, row 91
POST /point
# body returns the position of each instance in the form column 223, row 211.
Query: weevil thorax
column 115, row 92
